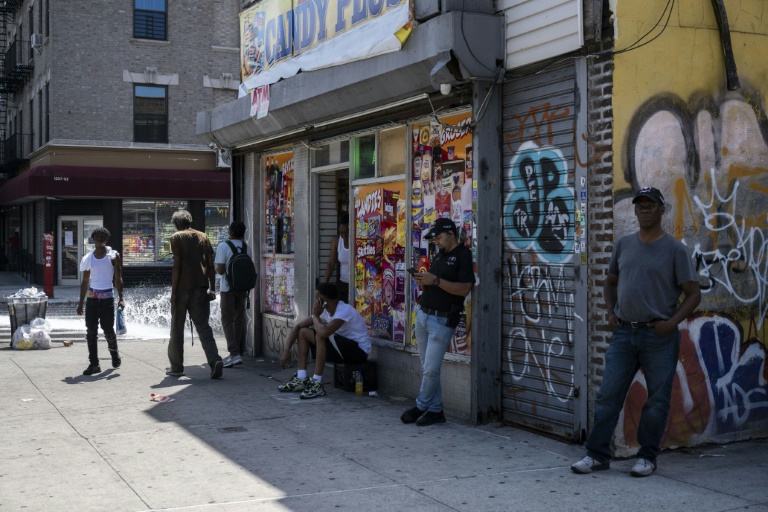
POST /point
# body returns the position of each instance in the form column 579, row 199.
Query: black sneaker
column 116, row 361
column 430, row 418
column 411, row 415
column 92, row 368
column 171, row 373
column 218, row 368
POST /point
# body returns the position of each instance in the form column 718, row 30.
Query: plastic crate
column 344, row 376
column 22, row 310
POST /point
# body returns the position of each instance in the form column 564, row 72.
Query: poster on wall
column 379, row 274
column 278, row 239
column 443, row 186
column 278, row 295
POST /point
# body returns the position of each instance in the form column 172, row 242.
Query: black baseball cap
column 650, row 193
column 439, row 226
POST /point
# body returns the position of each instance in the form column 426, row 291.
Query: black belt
column 434, row 312
column 635, row 325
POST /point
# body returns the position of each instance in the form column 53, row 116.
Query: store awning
column 448, row 49
column 60, row 181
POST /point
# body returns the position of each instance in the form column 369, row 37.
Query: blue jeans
column 631, row 349
column 433, row 337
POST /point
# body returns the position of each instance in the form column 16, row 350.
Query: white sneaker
column 231, row 361
column 588, row 465
column 643, row 467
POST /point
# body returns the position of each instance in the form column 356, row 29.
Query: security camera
column 445, row 89
column 212, row 145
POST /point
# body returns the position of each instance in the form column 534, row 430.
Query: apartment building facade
column 97, row 121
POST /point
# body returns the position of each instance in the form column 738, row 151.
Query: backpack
column 240, row 270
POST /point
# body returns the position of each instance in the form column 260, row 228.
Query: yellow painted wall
column 706, row 149
column 686, row 60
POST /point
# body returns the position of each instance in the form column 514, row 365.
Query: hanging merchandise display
column 442, row 186
column 379, row 273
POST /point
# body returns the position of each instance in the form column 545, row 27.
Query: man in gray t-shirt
column 648, row 272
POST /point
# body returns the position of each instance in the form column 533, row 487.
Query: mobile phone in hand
column 412, row 271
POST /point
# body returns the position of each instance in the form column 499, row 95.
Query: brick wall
column 599, row 213
column 91, row 44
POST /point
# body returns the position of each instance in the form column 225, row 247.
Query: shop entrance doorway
column 74, row 241
column 332, row 202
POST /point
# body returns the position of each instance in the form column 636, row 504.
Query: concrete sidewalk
column 237, row 444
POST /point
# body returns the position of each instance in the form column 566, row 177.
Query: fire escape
column 15, row 72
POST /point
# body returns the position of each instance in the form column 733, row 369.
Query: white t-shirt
column 353, row 327
column 223, row 253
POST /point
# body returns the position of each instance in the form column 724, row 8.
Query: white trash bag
column 40, row 339
column 22, row 338
column 42, row 324
column 32, row 336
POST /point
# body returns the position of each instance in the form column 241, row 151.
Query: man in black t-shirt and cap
column 444, row 287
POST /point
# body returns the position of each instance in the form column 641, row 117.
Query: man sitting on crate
column 335, row 332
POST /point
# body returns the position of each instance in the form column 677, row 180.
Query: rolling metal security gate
column 543, row 296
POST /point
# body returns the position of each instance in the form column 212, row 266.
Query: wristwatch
column 436, row 282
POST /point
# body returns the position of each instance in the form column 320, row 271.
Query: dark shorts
column 348, row 352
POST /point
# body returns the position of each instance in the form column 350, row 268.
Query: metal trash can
column 22, row 310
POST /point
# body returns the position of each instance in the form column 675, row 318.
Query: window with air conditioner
column 36, row 41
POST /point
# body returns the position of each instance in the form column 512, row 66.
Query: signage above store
column 279, row 38
column 260, row 101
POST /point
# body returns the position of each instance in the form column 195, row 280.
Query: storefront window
column 278, row 234
column 217, row 221
column 443, row 185
column 392, row 151
column 365, row 156
column 147, row 230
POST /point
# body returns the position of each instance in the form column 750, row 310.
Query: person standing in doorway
column 444, row 288
column 193, row 286
column 14, row 245
column 648, row 272
column 232, row 301
column 340, row 255
column 101, row 268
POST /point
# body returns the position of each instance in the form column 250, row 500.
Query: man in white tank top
column 340, row 255
column 101, row 268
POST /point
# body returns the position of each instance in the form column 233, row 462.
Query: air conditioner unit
column 223, row 158
column 36, row 41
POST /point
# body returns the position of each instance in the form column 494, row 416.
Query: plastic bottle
column 120, row 321
column 359, row 383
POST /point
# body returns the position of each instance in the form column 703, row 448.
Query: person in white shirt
column 101, row 269
column 232, row 301
column 335, row 332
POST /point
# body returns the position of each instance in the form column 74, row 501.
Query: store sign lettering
column 371, row 203
column 308, row 24
column 451, row 133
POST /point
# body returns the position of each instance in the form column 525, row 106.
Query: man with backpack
column 233, row 262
